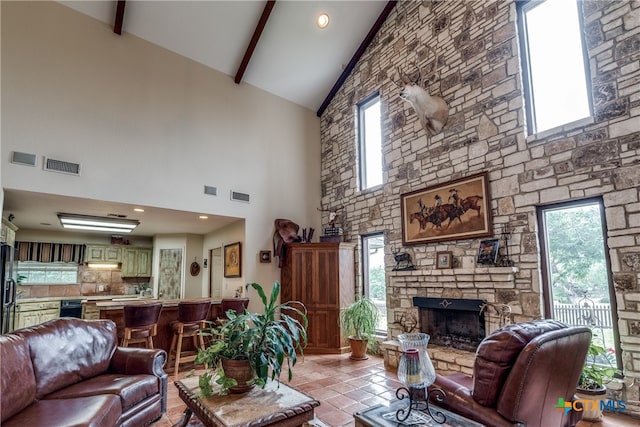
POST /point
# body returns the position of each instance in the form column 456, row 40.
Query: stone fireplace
column 457, row 307
column 452, row 322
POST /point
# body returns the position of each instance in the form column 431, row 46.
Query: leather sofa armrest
column 135, row 361
column 459, row 399
column 131, row 361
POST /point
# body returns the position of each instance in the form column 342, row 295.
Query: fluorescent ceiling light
column 96, row 223
column 103, row 266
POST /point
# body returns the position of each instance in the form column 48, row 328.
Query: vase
column 415, row 369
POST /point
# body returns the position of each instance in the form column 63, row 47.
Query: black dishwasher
column 71, row 308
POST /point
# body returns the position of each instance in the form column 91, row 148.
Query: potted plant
column 597, row 371
column 359, row 321
column 257, row 344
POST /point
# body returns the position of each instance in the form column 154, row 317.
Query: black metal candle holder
column 419, row 400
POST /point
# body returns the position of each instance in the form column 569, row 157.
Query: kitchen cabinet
column 136, row 262
column 322, row 277
column 34, row 313
column 103, row 253
column 90, row 311
column 8, row 234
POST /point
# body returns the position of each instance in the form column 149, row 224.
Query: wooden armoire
column 322, row 277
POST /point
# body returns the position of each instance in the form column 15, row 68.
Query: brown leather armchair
column 520, row 372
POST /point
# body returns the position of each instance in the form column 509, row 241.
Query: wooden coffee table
column 274, row 405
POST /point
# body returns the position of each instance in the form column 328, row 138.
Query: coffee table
column 274, row 405
column 378, row 416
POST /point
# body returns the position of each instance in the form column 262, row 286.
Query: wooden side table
column 378, row 416
column 274, row 405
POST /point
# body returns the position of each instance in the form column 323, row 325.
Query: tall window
column 373, row 275
column 555, row 69
column 370, row 142
column 578, row 289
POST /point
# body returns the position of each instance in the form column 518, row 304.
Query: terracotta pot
column 591, row 409
column 239, row 370
column 358, row 348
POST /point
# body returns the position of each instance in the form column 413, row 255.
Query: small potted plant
column 359, row 321
column 248, row 348
column 597, row 371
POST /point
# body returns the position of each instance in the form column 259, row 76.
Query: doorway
column 215, row 273
column 576, row 270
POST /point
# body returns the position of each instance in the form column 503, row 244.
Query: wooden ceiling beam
column 268, row 7
column 117, row 26
column 356, row 56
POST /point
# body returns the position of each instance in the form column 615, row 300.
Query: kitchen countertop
column 119, row 303
column 84, row 298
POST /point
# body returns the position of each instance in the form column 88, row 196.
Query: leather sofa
column 520, row 372
column 71, row 372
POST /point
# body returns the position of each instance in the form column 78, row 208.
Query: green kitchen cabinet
column 136, row 262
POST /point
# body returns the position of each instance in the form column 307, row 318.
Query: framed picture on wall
column 444, row 259
column 488, row 251
column 454, row 210
column 265, row 256
column 233, row 260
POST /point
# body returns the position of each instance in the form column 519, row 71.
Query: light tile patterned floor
column 342, row 386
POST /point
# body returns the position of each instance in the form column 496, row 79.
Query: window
column 578, row 289
column 370, row 142
column 373, row 275
column 555, row 71
column 47, row 273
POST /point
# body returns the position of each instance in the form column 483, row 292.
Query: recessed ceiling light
column 138, row 209
column 322, row 21
column 203, row 217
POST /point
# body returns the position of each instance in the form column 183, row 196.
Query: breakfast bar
column 113, row 310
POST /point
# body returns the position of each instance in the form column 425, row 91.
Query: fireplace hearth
column 457, row 323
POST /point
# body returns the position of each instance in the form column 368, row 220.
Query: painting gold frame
column 233, row 260
column 456, row 210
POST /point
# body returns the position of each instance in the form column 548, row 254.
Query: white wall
column 150, row 127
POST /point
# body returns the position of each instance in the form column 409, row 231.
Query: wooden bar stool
column 191, row 317
column 140, row 324
column 238, row 305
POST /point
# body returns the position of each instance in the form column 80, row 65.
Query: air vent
column 115, row 215
column 212, row 191
column 239, row 197
column 25, row 159
column 61, row 166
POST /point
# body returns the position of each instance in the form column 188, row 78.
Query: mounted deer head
column 432, row 111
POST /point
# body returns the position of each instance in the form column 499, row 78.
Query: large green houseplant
column 263, row 342
column 359, row 320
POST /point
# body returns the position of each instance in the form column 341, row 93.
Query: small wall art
column 265, row 256
column 444, row 259
column 488, row 251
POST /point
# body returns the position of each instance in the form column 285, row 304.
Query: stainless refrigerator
column 8, row 295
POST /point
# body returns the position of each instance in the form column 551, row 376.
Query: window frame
column 522, row 7
column 361, row 107
column 38, row 266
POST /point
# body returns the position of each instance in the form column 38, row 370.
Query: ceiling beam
column 117, row 26
column 356, row 56
column 254, row 40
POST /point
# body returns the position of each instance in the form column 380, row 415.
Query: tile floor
column 342, row 386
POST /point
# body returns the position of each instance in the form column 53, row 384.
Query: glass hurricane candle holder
column 416, row 372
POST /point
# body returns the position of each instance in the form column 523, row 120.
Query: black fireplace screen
column 457, row 323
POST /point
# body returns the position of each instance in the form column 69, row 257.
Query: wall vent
column 239, row 197
column 61, row 166
column 212, row 191
column 25, row 159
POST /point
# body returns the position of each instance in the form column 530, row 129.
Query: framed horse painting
column 455, row 210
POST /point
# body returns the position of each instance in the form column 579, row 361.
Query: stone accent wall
column 469, row 53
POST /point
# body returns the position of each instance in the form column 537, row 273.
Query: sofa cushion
column 497, row 353
column 93, row 411
column 132, row 389
column 66, row 351
column 17, row 382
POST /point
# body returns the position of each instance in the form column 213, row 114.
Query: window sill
column 568, row 127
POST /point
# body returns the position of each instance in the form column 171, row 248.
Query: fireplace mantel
column 476, row 274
